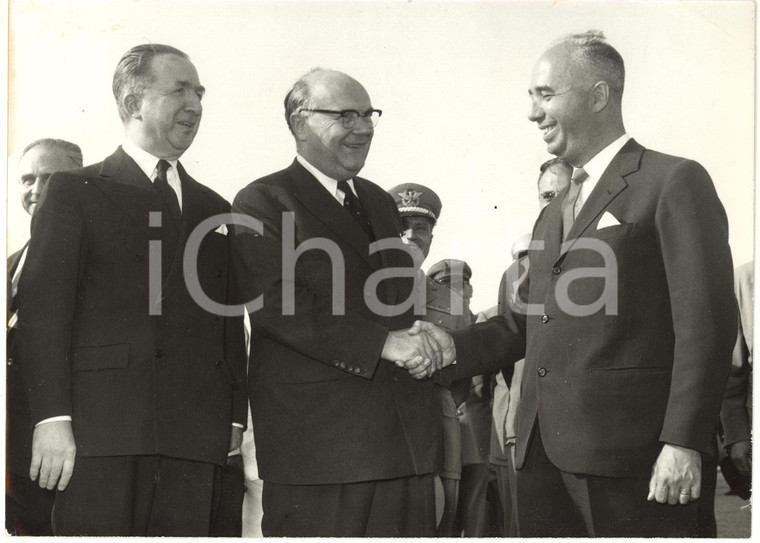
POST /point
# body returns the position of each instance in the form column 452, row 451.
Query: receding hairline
column 592, row 58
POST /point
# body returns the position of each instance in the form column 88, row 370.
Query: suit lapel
column 607, row 189
column 552, row 235
column 122, row 180
column 326, row 209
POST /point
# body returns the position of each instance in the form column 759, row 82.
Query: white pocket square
column 222, row 230
column 608, row 219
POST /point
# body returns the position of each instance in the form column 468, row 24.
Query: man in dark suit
column 27, row 506
column 628, row 340
column 135, row 389
column 347, row 442
column 736, row 411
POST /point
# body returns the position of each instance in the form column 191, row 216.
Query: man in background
column 446, row 305
column 553, row 178
column 136, row 390
column 736, row 412
column 27, row 506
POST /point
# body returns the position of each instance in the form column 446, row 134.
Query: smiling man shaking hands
column 347, row 442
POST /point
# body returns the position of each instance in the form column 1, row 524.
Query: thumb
column 416, row 329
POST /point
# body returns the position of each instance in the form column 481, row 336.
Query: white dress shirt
column 595, row 168
column 330, row 184
column 148, row 164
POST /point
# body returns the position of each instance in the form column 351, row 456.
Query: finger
column 421, row 369
column 650, row 495
column 66, row 473
column 661, row 494
column 415, row 329
column 55, row 473
column 34, row 468
column 696, row 489
column 673, row 495
column 684, row 496
column 44, row 471
column 437, row 350
column 431, row 348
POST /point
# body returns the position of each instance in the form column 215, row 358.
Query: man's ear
column 601, row 94
column 132, row 104
column 298, row 125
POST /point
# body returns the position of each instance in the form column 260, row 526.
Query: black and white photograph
column 524, row 310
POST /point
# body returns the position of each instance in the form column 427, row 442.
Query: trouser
column 401, row 507
column 137, row 496
column 554, row 503
column 27, row 506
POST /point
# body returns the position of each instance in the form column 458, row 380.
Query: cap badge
column 410, row 198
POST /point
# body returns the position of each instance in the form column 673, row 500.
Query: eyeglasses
column 548, row 196
column 350, row 117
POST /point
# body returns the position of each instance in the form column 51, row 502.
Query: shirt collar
column 144, row 159
column 328, row 182
column 596, row 166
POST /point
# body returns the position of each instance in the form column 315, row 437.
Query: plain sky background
column 450, row 77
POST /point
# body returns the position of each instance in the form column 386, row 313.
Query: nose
column 37, row 186
column 193, row 103
column 536, row 113
column 363, row 126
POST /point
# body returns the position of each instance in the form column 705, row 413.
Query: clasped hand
column 421, row 350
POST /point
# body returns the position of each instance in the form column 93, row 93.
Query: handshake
column 421, row 350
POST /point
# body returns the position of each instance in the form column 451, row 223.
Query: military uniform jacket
column 133, row 383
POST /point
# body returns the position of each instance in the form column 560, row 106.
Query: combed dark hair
column 592, row 49
column 298, row 97
column 131, row 73
column 71, row 149
column 556, row 161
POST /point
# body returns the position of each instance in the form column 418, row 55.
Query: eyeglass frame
column 343, row 119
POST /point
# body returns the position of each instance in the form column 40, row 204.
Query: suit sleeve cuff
column 54, row 419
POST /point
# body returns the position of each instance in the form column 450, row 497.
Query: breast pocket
column 611, row 232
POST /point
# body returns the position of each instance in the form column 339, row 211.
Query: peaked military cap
column 443, row 271
column 416, row 200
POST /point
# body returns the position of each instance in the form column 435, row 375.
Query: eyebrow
column 187, row 84
column 541, row 88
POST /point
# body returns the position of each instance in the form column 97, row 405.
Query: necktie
column 352, row 204
column 167, row 193
column 572, row 204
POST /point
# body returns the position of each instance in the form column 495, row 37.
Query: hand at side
column 53, row 454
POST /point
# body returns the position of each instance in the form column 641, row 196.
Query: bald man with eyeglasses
column 347, row 442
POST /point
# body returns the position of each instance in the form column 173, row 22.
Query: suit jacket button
column 139, row 257
column 159, row 353
column 395, row 379
column 541, row 372
column 218, row 363
column 544, row 318
column 556, row 270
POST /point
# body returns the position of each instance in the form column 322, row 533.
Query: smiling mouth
column 546, row 130
column 187, row 124
column 356, row 145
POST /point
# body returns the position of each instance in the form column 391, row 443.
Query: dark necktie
column 352, row 204
column 569, row 206
column 167, row 192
